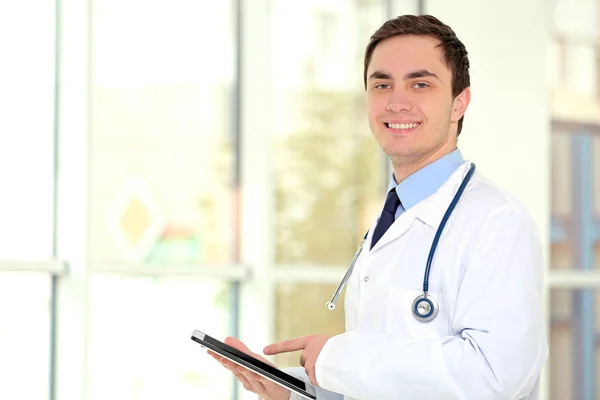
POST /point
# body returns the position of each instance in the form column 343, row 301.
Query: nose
column 398, row 102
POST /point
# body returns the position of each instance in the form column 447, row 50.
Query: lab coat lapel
column 435, row 206
column 398, row 228
column 430, row 210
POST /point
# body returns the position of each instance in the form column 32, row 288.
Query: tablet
column 261, row 368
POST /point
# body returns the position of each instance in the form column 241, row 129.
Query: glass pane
column 330, row 179
column 300, row 310
column 561, row 174
column 575, row 91
column 139, row 341
column 575, row 343
column 595, row 189
column 27, row 128
column 24, row 335
column 161, row 145
column 569, row 194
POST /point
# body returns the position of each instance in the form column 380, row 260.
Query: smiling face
column 410, row 106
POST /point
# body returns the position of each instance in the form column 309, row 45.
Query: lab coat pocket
column 402, row 322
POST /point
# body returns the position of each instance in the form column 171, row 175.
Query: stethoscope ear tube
column 331, row 303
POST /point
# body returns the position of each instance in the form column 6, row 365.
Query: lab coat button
column 366, row 279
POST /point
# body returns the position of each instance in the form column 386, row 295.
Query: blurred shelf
column 573, row 279
column 54, row 267
column 233, row 272
column 309, row 273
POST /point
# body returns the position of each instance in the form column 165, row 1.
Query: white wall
column 506, row 129
column 507, row 126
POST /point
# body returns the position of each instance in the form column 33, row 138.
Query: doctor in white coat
column 487, row 340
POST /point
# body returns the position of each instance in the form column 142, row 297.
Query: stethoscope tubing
column 424, row 297
column 331, row 303
column 439, row 231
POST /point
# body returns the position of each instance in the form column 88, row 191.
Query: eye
column 420, row 85
column 382, row 86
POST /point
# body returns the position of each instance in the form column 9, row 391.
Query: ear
column 460, row 104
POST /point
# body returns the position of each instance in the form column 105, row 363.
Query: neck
column 404, row 167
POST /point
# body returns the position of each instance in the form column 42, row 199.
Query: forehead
column 402, row 54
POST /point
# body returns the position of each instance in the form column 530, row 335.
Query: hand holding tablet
column 251, row 380
column 256, row 374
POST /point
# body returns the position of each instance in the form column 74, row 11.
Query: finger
column 225, row 362
column 286, row 346
column 302, row 359
column 243, row 375
column 221, row 360
column 230, row 365
column 268, row 384
column 238, row 372
column 244, row 381
column 247, row 373
column 250, row 376
column 256, row 385
column 311, row 372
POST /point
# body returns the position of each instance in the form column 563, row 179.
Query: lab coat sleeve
column 500, row 344
column 320, row 393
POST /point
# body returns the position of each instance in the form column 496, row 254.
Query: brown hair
column 455, row 53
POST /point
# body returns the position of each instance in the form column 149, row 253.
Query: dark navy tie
column 388, row 216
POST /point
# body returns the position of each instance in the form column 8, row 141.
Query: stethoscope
column 424, row 308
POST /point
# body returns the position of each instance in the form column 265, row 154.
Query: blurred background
column 171, row 165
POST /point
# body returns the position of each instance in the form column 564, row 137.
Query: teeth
column 404, row 126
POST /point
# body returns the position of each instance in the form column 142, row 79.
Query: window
column 575, row 343
column 162, row 194
column 575, row 256
column 329, row 172
column 574, row 303
column 27, row 186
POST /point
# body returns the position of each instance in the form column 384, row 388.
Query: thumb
column 237, row 344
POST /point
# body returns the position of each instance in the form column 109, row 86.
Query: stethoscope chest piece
column 425, row 308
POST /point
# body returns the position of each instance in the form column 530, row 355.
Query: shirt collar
column 426, row 181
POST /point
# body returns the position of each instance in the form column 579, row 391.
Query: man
column 487, row 340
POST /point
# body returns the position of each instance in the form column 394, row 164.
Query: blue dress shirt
column 426, row 181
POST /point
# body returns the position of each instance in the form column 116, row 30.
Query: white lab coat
column 488, row 340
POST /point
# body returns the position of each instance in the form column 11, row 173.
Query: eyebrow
column 378, row 74
column 421, row 73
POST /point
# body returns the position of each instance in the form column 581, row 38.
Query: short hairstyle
column 455, row 53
